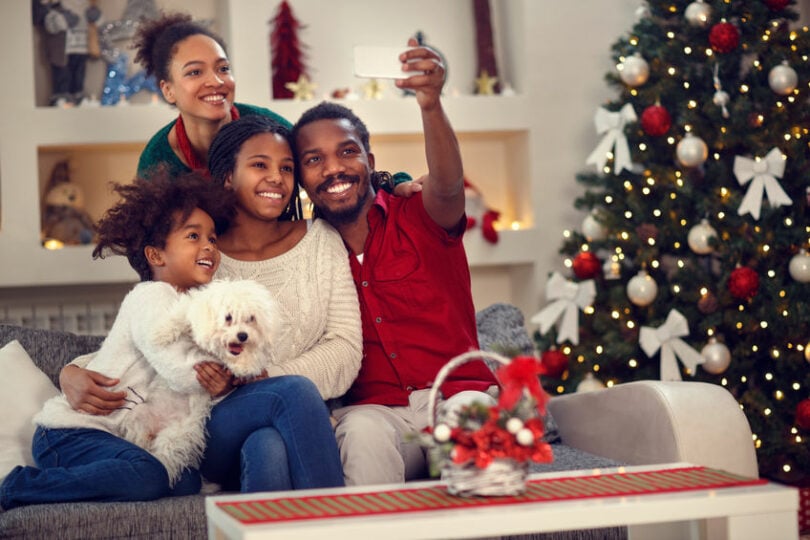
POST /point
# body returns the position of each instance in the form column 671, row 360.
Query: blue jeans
column 89, row 465
column 270, row 435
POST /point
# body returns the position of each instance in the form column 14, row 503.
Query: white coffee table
column 754, row 512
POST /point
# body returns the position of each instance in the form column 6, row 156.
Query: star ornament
column 373, row 89
column 302, row 89
column 485, row 84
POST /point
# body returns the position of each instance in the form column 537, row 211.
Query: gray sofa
column 651, row 428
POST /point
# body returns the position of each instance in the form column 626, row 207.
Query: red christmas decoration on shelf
column 554, row 362
column 803, row 414
column 586, row 265
column 743, row 283
column 655, row 120
column 777, row 5
column 285, row 51
column 724, row 37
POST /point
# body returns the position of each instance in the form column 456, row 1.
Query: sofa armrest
column 649, row 422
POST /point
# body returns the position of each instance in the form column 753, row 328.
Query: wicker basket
column 502, row 476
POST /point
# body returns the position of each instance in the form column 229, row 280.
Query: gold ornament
column 486, row 84
column 373, row 89
column 302, row 89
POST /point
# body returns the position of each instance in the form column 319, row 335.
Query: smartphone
column 379, row 62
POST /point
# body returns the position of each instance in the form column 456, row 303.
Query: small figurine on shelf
column 64, row 218
column 64, row 25
column 479, row 214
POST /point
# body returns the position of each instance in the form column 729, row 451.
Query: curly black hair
column 147, row 213
column 156, row 41
column 228, row 142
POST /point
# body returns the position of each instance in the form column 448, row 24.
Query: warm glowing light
column 53, row 243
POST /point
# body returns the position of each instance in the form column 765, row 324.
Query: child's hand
column 407, row 189
column 215, row 378
column 86, row 391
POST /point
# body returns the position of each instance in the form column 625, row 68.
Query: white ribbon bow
column 569, row 298
column 612, row 125
column 764, row 172
column 667, row 337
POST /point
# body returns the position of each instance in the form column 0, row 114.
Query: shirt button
column 393, row 355
column 364, row 283
column 378, row 319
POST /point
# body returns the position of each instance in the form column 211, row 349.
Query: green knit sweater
column 159, row 151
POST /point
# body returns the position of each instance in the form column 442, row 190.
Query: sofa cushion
column 50, row 349
column 23, row 390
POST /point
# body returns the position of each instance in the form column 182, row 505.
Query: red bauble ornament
column 655, row 120
column 554, row 362
column 743, row 282
column 586, row 265
column 803, row 414
column 724, row 37
column 777, row 5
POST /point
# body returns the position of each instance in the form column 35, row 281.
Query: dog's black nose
column 242, row 336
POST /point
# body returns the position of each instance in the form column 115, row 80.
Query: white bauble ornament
column 699, row 238
column 721, row 98
column 698, row 13
column 525, row 437
column 634, row 71
column 592, row 229
column 642, row 289
column 692, row 151
column 716, row 357
column 513, row 425
column 783, row 79
column 590, row 384
column 799, row 267
column 442, row 433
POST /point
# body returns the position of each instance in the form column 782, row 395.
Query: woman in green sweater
column 191, row 65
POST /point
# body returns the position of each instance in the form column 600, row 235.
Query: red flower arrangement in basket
column 488, row 450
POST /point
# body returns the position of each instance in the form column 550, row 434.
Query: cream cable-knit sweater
column 322, row 338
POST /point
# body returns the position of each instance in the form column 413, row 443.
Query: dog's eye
column 228, row 318
column 251, row 319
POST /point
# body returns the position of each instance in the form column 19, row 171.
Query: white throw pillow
column 23, row 391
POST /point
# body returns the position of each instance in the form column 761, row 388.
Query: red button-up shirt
column 416, row 305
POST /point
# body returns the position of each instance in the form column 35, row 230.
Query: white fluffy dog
column 231, row 322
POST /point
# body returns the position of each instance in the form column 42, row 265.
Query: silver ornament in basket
column 485, row 449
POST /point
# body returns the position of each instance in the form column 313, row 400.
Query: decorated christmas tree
column 692, row 260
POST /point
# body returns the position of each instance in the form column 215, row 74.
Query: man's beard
column 347, row 214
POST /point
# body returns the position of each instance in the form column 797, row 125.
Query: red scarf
column 185, row 145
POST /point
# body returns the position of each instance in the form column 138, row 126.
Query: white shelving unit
column 495, row 132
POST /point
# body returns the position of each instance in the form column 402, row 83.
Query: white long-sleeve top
column 322, row 338
column 123, row 355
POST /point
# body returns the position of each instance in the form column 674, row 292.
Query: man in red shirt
column 410, row 269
